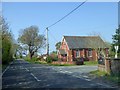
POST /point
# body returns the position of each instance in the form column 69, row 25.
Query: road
column 21, row 74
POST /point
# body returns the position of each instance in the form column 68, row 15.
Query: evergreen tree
column 58, row 44
column 116, row 39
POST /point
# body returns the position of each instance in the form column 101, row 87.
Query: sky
column 92, row 17
column 119, row 13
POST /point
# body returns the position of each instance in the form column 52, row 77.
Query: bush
column 33, row 60
column 118, row 55
column 6, row 51
column 79, row 61
column 55, row 59
column 112, row 54
column 49, row 59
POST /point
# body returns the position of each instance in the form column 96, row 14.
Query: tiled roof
column 75, row 42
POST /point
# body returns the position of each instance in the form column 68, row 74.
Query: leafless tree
column 98, row 44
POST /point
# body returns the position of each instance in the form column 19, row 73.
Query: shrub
column 6, row 51
column 112, row 54
column 55, row 59
column 49, row 59
column 34, row 59
column 79, row 61
column 118, row 55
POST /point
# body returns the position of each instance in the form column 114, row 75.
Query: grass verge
column 90, row 62
column 4, row 67
column 106, row 76
column 98, row 73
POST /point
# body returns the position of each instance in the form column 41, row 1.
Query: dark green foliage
column 49, row 59
column 7, row 42
column 116, row 39
column 58, row 45
column 55, row 59
column 33, row 60
column 6, row 54
column 54, row 56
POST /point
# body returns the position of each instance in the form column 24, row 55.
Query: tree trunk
column 31, row 55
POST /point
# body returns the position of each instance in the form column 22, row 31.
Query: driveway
column 21, row 74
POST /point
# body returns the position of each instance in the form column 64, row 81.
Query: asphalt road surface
column 21, row 74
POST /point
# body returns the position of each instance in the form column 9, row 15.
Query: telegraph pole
column 47, row 42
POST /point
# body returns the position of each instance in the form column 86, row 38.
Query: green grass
column 34, row 60
column 31, row 61
column 4, row 66
column 85, row 63
column 98, row 73
column 90, row 62
column 115, row 79
column 40, row 62
column 112, row 78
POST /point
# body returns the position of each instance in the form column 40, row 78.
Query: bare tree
column 98, row 44
column 30, row 36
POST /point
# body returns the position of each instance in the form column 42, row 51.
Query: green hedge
column 6, row 51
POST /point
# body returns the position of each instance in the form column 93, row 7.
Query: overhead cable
column 66, row 15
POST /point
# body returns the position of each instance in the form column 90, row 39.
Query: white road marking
column 27, row 69
column 104, row 85
column 87, row 79
column 35, row 77
column 85, row 76
column 7, row 68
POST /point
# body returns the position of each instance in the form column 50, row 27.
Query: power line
column 67, row 14
column 53, row 36
column 47, row 46
column 44, row 31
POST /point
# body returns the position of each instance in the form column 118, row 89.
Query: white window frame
column 77, row 53
column 90, row 53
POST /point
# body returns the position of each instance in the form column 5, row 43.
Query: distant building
column 87, row 47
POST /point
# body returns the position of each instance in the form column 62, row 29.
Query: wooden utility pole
column 47, row 42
